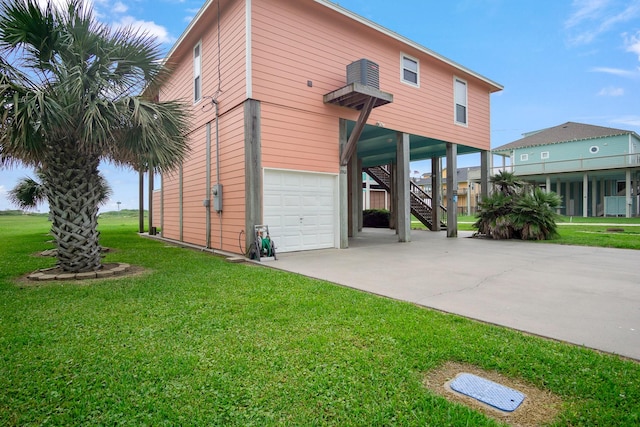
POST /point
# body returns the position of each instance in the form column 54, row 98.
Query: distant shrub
column 376, row 218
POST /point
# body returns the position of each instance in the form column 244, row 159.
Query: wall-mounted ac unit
column 364, row 72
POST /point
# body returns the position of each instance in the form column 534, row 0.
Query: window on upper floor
column 410, row 70
column 460, row 99
column 524, row 157
column 197, row 72
column 544, row 155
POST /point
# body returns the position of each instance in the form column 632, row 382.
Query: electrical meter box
column 216, row 191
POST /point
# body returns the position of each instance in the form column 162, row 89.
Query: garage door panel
column 290, row 221
column 300, row 209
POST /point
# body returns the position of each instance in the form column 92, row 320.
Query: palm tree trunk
column 74, row 192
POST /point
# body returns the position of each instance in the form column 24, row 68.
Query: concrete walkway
column 583, row 295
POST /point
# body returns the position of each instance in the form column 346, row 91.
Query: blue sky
column 559, row 60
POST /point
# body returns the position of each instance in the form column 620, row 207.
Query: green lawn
column 579, row 231
column 199, row 341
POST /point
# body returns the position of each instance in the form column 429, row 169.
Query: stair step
column 420, row 208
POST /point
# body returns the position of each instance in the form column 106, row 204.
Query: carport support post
column 393, row 202
column 585, row 195
column 253, row 169
column 594, row 196
column 484, row 173
column 403, row 225
column 436, row 186
column 141, row 201
column 343, row 191
column 452, row 190
column 559, row 191
column 360, row 196
column 355, row 190
column 627, row 193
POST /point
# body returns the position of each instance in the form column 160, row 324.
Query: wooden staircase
column 421, row 202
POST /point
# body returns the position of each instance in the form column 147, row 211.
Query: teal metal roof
column 377, row 146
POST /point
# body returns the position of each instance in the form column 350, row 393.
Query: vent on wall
column 364, row 72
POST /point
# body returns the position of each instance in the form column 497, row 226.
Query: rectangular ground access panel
column 486, row 391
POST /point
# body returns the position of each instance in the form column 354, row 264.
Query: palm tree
column 68, row 99
column 534, row 215
column 507, row 183
column 515, row 210
column 29, row 193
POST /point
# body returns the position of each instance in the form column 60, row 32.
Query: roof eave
column 187, row 30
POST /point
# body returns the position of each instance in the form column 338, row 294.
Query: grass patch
column 584, row 231
column 601, row 236
column 598, row 220
column 199, row 341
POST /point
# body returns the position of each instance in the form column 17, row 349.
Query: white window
column 410, row 70
column 197, row 72
column 460, row 98
column 544, row 155
column 524, row 157
column 594, row 149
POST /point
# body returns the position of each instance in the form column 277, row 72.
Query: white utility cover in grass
column 300, row 209
column 486, row 391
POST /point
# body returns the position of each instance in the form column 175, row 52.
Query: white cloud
column 149, row 27
column 632, row 43
column 615, row 71
column 3, row 191
column 611, row 91
column 120, row 7
column 592, row 18
column 102, row 9
column 627, row 120
column 585, row 10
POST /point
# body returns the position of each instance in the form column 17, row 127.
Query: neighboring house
column 468, row 189
column 280, row 132
column 468, row 180
column 425, row 182
column 595, row 169
column 375, row 196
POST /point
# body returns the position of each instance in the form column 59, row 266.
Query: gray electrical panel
column 364, row 72
column 216, row 191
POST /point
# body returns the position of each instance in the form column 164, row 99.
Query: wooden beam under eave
column 357, row 131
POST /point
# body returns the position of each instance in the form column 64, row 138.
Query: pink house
column 280, row 134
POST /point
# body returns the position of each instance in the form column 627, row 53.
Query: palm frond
column 27, row 194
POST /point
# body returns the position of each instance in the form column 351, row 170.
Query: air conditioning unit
column 364, row 72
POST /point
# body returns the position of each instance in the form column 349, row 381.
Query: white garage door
column 300, row 209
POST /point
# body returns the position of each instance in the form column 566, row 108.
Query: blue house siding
column 595, row 170
column 595, row 154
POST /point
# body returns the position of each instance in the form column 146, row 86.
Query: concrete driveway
column 582, row 295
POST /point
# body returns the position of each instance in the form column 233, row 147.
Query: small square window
column 524, row 157
column 544, row 155
column 410, row 70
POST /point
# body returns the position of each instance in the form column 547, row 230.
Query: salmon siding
column 296, row 42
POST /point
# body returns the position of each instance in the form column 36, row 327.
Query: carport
column 364, row 147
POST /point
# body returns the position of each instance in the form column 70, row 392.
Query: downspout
column 215, row 102
column 207, row 200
